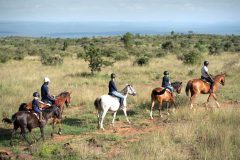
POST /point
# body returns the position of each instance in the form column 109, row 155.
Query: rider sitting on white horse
column 113, row 90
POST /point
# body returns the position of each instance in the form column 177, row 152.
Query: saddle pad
column 205, row 81
column 166, row 89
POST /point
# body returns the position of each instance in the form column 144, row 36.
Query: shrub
column 192, row 57
column 52, row 60
column 20, row 54
column 215, row 48
column 168, row 46
column 127, row 40
column 95, row 58
column 142, row 60
column 4, row 57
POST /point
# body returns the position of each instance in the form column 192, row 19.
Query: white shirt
column 203, row 71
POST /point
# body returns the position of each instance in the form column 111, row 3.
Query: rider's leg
column 119, row 95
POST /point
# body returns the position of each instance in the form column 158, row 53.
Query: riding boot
column 211, row 88
column 121, row 103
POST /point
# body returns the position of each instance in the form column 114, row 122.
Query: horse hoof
column 52, row 135
column 168, row 114
column 60, row 133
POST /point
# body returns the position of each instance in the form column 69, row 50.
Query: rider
column 206, row 76
column 166, row 83
column 35, row 106
column 46, row 97
column 113, row 89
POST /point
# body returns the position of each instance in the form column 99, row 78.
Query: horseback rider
column 113, row 90
column 206, row 76
column 46, row 97
column 35, row 106
column 166, row 82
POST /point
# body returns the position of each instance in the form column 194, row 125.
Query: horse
column 108, row 102
column 60, row 100
column 28, row 121
column 161, row 94
column 198, row 86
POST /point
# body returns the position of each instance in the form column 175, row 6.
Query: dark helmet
column 36, row 94
column 166, row 73
column 205, row 63
column 113, row 75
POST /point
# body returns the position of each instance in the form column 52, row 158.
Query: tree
column 127, row 40
column 95, row 58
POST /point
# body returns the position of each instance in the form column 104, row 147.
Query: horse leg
column 102, row 118
column 13, row 134
column 191, row 100
column 215, row 98
column 125, row 113
column 167, row 103
column 23, row 133
column 151, row 109
column 99, row 119
column 53, row 126
column 159, row 108
column 42, row 133
column 114, row 116
column 60, row 126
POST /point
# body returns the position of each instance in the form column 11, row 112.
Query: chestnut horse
column 198, row 86
column 62, row 99
column 28, row 121
column 161, row 95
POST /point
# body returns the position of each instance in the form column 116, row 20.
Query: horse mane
column 123, row 91
column 64, row 94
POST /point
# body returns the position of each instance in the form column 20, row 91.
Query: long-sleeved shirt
column 165, row 81
column 111, row 86
column 44, row 93
column 35, row 106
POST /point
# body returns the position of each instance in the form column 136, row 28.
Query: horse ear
column 180, row 82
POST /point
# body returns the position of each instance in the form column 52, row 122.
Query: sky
column 178, row 11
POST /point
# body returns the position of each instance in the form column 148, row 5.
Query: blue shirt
column 111, row 86
column 44, row 92
column 165, row 81
column 35, row 106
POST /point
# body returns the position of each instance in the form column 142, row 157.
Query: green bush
column 52, row 60
column 142, row 60
column 192, row 57
column 4, row 57
column 20, row 54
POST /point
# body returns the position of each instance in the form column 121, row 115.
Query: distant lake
column 89, row 29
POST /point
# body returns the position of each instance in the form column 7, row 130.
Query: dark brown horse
column 62, row 99
column 28, row 121
column 198, row 86
column 161, row 95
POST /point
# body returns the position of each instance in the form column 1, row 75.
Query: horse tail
column 189, row 85
column 8, row 120
column 22, row 107
column 97, row 102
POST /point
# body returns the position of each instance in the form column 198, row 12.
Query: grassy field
column 202, row 134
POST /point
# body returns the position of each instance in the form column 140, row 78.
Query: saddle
column 205, row 81
column 166, row 89
column 110, row 94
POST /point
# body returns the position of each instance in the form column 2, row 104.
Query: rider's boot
column 121, row 103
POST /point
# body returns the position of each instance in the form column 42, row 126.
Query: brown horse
column 28, row 121
column 161, row 95
column 62, row 99
column 198, row 86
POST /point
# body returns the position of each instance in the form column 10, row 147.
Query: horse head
column 66, row 96
column 177, row 86
column 128, row 89
column 220, row 78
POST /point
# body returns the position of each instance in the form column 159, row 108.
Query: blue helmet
column 36, row 94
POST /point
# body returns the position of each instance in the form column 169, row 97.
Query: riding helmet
column 205, row 63
column 36, row 94
column 166, row 73
column 113, row 75
column 46, row 79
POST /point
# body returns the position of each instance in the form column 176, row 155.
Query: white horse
column 107, row 102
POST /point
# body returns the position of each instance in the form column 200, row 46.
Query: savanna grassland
column 137, row 60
